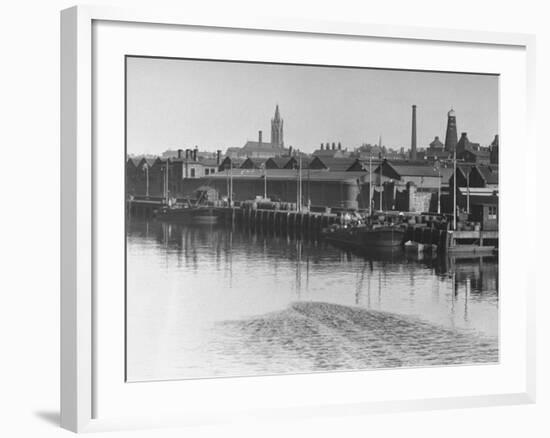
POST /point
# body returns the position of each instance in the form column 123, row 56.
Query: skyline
column 177, row 104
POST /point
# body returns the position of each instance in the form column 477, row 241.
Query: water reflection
column 196, row 295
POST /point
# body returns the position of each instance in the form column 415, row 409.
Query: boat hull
column 386, row 237
column 199, row 216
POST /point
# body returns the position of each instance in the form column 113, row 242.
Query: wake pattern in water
column 318, row 336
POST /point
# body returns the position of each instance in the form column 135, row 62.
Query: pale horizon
column 180, row 104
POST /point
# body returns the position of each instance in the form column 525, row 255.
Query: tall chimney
column 451, row 135
column 260, row 137
column 186, row 154
column 180, row 153
column 322, row 146
column 339, row 146
column 333, row 146
column 195, row 153
column 413, row 134
column 218, row 156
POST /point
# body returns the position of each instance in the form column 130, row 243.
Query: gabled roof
column 292, row 163
column 277, row 162
column 436, row 143
column 488, row 173
column 333, row 164
column 446, row 173
column 254, row 146
column 235, row 162
column 411, row 168
column 254, row 163
column 290, row 174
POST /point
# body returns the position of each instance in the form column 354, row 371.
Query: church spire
column 277, row 129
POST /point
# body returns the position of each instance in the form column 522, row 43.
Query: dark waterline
column 215, row 301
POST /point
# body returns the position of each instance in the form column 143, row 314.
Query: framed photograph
column 280, row 219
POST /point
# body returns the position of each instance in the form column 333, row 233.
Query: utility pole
column 381, row 187
column 146, row 168
column 370, row 184
column 468, row 191
column 454, row 190
column 438, row 190
column 230, row 182
column 265, row 180
column 167, row 179
column 299, row 195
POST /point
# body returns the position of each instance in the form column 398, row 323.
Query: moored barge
column 366, row 236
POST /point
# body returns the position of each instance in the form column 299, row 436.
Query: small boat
column 412, row 246
column 367, row 236
column 191, row 211
column 200, row 215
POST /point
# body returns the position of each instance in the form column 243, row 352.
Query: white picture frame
column 79, row 199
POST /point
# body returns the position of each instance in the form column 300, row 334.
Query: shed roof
column 413, row 169
column 254, row 162
column 335, row 164
column 488, row 173
column 291, row 174
column 279, row 162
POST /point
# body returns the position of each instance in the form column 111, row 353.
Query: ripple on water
column 316, row 336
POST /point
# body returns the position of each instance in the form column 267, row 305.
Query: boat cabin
column 486, row 214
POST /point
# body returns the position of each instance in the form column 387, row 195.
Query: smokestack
column 218, row 156
column 413, row 134
column 322, row 146
column 339, row 146
column 333, row 146
column 180, row 153
column 260, row 137
column 186, row 154
column 195, row 153
column 450, row 135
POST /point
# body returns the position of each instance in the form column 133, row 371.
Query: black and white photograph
column 288, row 218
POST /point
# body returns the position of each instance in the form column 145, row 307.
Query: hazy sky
column 176, row 103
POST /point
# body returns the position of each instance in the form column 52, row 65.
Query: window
column 492, row 212
column 193, row 172
column 206, row 171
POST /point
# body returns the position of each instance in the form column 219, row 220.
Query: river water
column 210, row 301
